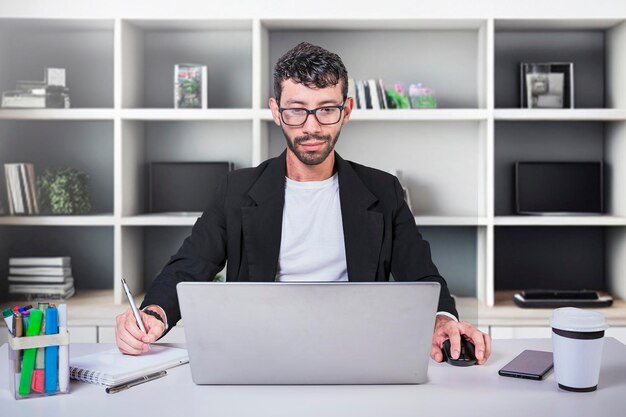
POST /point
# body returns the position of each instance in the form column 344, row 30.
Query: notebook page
column 111, row 367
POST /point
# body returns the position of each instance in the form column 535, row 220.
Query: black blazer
column 244, row 227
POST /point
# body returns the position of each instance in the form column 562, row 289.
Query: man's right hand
column 129, row 337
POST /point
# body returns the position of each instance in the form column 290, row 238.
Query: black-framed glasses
column 326, row 115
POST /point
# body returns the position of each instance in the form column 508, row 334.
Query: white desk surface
column 451, row 391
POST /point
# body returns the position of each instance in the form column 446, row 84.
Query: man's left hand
column 446, row 328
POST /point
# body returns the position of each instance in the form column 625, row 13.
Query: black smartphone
column 530, row 364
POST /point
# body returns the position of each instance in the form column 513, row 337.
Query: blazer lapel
column 262, row 221
column 362, row 228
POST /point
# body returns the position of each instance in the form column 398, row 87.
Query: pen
column 64, row 367
column 117, row 388
column 134, row 308
column 51, row 353
column 18, row 332
column 40, row 360
column 28, row 365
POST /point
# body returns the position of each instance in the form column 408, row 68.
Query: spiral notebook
column 111, row 367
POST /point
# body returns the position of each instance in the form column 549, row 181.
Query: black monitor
column 559, row 187
column 184, row 186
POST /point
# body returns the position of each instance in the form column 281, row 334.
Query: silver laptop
column 308, row 333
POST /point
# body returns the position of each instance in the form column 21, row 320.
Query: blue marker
column 51, row 352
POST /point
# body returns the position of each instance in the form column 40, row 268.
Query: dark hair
column 312, row 66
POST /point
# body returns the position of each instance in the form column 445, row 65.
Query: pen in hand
column 133, row 307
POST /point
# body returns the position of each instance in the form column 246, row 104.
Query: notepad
column 111, row 367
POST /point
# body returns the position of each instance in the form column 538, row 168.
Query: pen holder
column 22, row 350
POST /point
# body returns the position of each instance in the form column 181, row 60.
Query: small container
column 577, row 343
column 18, row 346
column 422, row 97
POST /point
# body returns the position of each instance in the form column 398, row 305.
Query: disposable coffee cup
column 577, row 342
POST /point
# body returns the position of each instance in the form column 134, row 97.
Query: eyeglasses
column 327, row 115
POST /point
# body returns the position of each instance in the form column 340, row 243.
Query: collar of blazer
column 262, row 223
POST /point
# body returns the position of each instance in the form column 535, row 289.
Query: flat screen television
column 184, row 186
column 559, row 187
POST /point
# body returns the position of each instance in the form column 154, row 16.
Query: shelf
column 152, row 47
column 556, row 24
column 560, row 221
column 83, row 47
column 506, row 313
column 602, row 115
column 456, row 161
column 186, row 219
column 77, row 220
column 187, row 114
column 88, row 307
column 57, row 114
column 450, row 221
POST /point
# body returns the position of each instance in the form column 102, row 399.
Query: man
column 307, row 215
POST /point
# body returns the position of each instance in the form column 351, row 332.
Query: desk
column 451, row 391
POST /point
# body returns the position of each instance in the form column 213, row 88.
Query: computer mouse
column 467, row 356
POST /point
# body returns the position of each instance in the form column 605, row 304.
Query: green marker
column 7, row 313
column 28, row 364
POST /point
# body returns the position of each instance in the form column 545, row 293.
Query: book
column 34, row 88
column 352, row 91
column 24, row 187
column 190, row 86
column 44, row 270
column 111, row 367
column 38, row 279
column 360, row 91
column 35, row 288
column 39, row 296
column 63, row 261
column 9, row 189
column 20, row 100
column 21, row 190
column 381, row 94
column 367, row 94
column 32, row 188
column 374, row 97
column 14, row 186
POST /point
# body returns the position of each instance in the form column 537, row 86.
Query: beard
column 311, row 157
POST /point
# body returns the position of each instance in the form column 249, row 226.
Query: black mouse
column 467, row 356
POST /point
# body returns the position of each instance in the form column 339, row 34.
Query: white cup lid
column 578, row 320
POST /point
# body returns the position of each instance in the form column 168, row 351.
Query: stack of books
column 21, row 191
column 50, row 93
column 368, row 94
column 41, row 278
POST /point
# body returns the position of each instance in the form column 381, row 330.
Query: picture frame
column 547, row 85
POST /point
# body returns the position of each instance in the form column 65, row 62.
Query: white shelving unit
column 452, row 159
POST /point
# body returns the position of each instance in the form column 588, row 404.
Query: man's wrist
column 446, row 314
column 159, row 311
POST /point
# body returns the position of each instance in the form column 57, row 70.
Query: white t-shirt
column 312, row 246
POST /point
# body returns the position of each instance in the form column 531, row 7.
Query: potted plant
column 64, row 191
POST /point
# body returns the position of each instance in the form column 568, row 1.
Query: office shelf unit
column 455, row 160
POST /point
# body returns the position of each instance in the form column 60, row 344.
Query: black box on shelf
column 184, row 186
column 559, row 187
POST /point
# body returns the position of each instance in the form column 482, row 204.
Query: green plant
column 64, row 191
